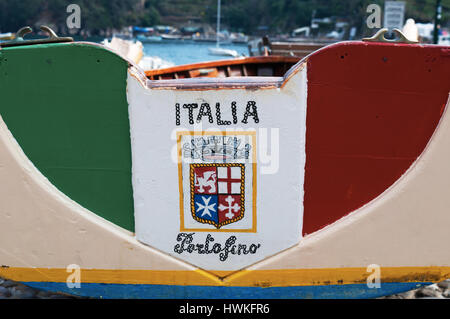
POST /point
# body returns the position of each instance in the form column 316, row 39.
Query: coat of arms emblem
column 217, row 181
column 217, row 193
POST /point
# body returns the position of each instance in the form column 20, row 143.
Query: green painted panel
column 66, row 106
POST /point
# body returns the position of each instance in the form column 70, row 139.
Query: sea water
column 185, row 52
column 180, row 52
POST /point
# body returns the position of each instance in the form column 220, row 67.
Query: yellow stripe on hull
column 246, row 278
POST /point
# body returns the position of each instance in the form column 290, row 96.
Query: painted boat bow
column 370, row 198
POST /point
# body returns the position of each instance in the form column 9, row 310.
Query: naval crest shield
column 217, row 181
column 217, row 193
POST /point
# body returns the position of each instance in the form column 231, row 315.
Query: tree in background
column 96, row 15
column 285, row 15
column 275, row 16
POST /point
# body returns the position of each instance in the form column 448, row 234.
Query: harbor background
column 184, row 52
column 191, row 20
column 187, row 31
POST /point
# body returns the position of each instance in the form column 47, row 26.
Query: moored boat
column 291, row 48
column 218, row 50
column 171, row 37
column 7, row 36
column 223, row 52
column 134, row 187
column 149, row 38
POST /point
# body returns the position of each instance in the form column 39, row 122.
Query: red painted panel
column 372, row 109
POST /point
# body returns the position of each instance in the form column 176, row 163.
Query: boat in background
column 149, row 38
column 300, row 49
column 223, row 52
column 172, row 37
column 241, row 67
column 7, row 36
column 218, row 50
column 204, row 38
column 239, row 38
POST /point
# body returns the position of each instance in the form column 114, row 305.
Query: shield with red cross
column 217, row 193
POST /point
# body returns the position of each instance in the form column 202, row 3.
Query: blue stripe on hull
column 213, row 292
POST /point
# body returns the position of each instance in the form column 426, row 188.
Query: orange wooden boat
column 250, row 66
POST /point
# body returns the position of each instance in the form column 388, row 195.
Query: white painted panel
column 187, row 203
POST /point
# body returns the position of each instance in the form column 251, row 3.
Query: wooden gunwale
column 200, row 84
column 223, row 63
